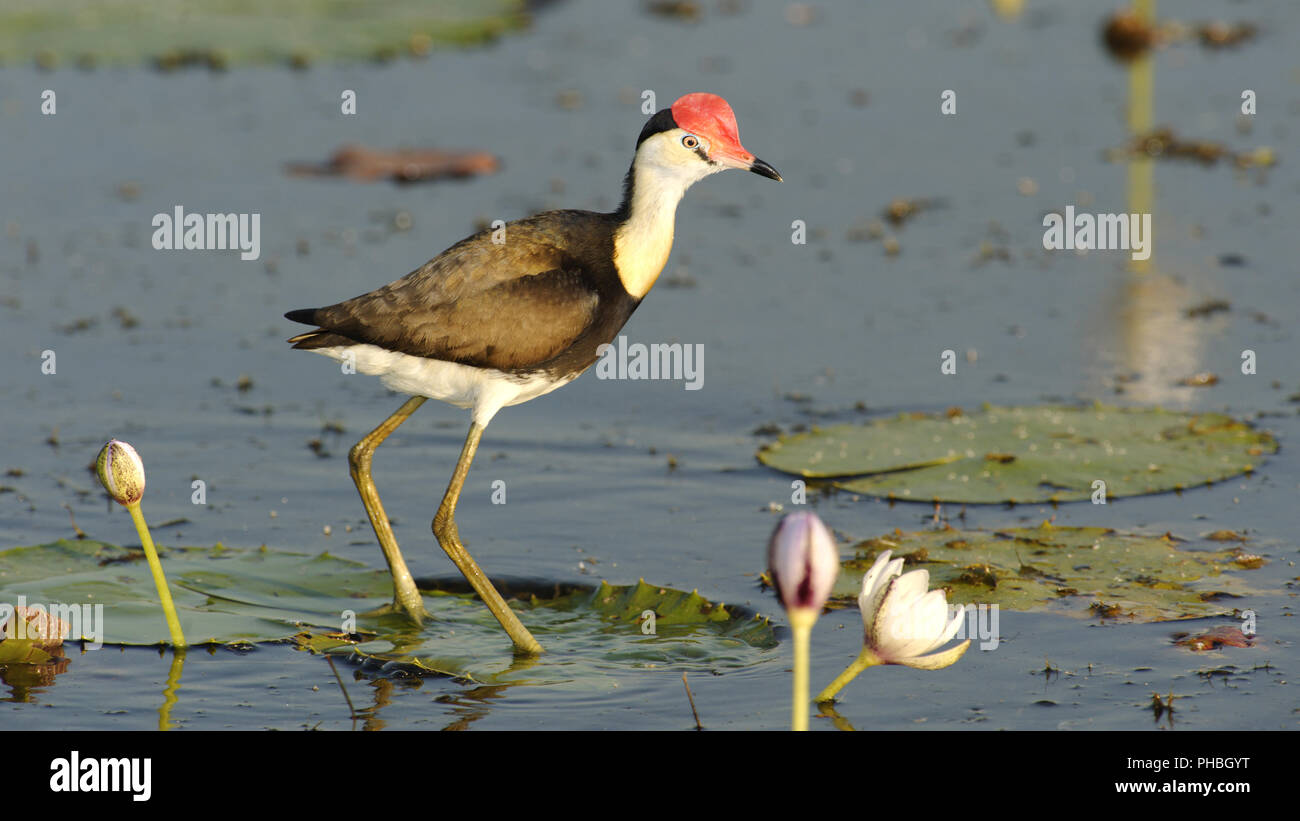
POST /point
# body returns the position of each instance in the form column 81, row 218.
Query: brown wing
column 509, row 306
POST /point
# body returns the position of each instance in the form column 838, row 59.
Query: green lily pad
column 222, row 595
column 1082, row 571
column 588, row 633
column 1024, row 454
column 235, row 596
column 13, row 651
column 219, row 33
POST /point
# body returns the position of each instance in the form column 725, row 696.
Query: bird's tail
column 319, row 338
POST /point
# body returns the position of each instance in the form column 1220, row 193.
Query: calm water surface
column 836, row 322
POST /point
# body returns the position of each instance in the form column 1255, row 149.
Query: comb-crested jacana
column 488, row 324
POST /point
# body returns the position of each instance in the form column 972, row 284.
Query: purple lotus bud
column 121, row 472
column 804, row 561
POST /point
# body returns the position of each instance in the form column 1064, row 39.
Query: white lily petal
column 918, row 626
column 937, row 661
column 889, row 633
column 877, row 638
column 931, row 615
column 949, row 628
column 873, row 586
column 875, row 574
column 954, row 624
column 905, row 620
column 912, row 585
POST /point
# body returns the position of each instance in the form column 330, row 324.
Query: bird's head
column 694, row 138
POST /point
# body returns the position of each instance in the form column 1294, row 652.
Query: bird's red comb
column 708, row 115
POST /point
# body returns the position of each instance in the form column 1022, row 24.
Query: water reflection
column 25, row 679
column 1143, row 338
column 171, row 689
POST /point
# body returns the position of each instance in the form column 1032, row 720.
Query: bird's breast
column 640, row 254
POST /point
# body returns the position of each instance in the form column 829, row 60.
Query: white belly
column 485, row 390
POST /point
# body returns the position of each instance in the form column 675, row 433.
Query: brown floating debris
column 178, row 58
column 1207, row 308
column 1126, row 35
column 124, row 558
column 1249, row 561
column 1163, row 143
column 569, row 99
column 1219, row 35
column 420, row 45
column 901, row 210
column 979, row 575
column 1200, row 380
column 125, row 318
column 988, row 252
column 687, row 10
column 1225, row 536
column 1161, row 707
column 1216, row 638
column 865, row 231
column 46, row 60
column 401, row 165
column 800, row 14
column 1106, row 611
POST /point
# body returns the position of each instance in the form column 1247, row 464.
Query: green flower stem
column 864, row 660
column 155, row 566
column 801, row 622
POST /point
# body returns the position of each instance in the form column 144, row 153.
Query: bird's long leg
column 406, row 597
column 444, row 527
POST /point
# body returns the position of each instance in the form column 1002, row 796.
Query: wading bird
column 490, row 323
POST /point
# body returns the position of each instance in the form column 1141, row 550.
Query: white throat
column 660, row 176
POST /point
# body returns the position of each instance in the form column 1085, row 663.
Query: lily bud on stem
column 803, row 561
column 121, row 472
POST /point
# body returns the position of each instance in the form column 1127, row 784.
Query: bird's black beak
column 764, row 170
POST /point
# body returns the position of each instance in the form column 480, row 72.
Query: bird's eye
column 691, row 141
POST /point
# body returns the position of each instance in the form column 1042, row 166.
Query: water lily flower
column 121, row 472
column 904, row 622
column 803, row 561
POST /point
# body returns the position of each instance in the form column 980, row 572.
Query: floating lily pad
column 218, row 33
column 1083, row 571
column 587, row 633
column 222, row 595
column 235, row 596
column 13, row 651
column 1024, row 454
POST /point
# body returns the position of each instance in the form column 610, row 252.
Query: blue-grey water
column 587, row 468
